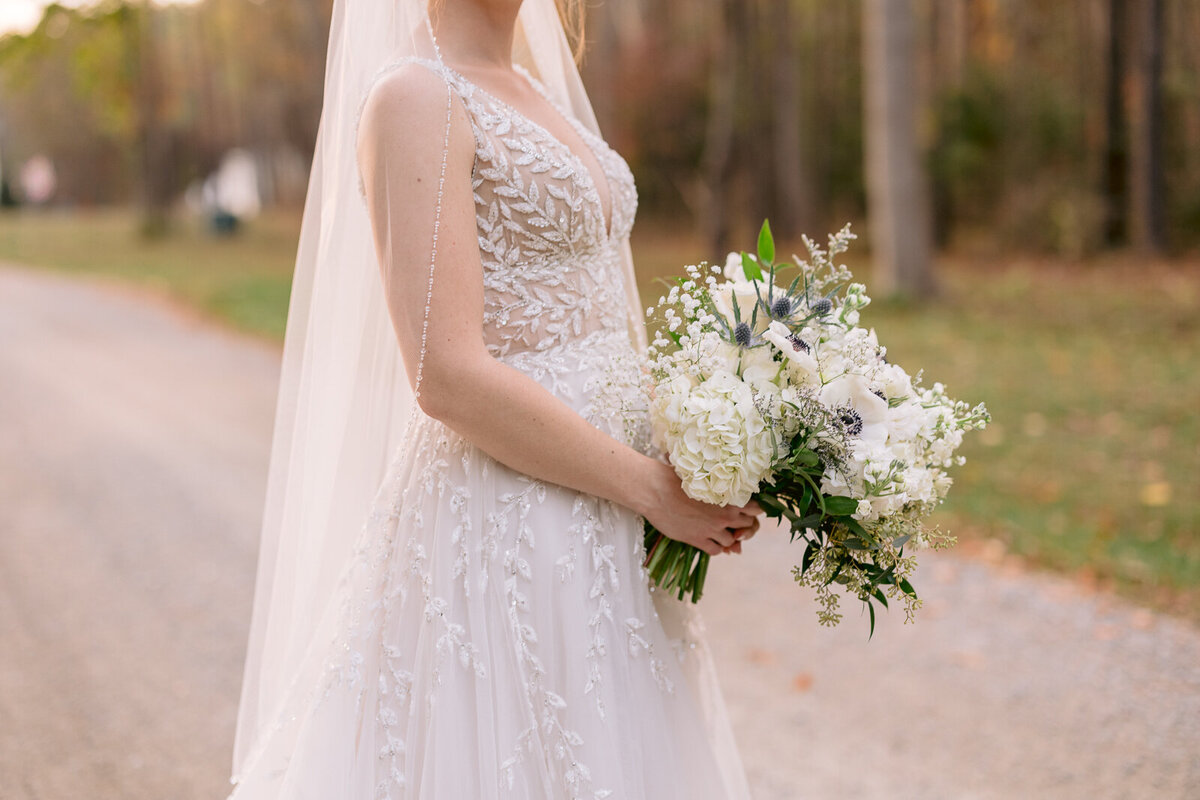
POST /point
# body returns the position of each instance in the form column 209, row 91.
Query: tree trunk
column 897, row 197
column 1116, row 146
column 793, row 191
column 722, row 116
column 154, row 139
column 1146, row 162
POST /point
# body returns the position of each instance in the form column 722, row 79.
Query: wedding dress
column 494, row 636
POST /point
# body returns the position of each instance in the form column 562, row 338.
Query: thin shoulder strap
column 437, row 224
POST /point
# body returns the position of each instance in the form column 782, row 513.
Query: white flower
column 718, row 441
column 905, row 422
column 733, row 267
column 746, row 292
column 894, row 381
column 803, row 366
column 854, row 392
column 759, row 369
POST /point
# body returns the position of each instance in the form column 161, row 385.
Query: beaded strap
column 437, row 223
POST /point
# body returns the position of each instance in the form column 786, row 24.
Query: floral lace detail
column 551, row 261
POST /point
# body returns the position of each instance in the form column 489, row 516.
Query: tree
column 730, row 37
column 1116, row 144
column 897, row 197
column 792, row 186
column 1148, row 206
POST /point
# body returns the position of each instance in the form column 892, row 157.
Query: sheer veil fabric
column 345, row 399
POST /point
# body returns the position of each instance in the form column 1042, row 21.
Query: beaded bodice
column 551, row 260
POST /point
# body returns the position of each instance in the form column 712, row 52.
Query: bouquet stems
column 675, row 566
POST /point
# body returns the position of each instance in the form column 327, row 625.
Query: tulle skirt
column 495, row 638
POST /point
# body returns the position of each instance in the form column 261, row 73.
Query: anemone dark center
column 799, row 344
column 852, row 421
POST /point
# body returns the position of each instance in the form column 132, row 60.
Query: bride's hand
column 742, row 534
column 713, row 529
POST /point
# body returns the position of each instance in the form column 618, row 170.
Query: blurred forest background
column 1028, row 174
column 1044, row 126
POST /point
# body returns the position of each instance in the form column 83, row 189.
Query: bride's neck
column 475, row 33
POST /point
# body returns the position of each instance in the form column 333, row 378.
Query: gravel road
column 133, row 446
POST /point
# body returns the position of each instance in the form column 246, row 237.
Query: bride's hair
column 574, row 19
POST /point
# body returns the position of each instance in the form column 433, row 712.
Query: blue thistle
column 742, row 334
column 822, row 307
column 781, row 308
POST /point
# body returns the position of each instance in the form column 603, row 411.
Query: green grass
column 242, row 280
column 1091, row 372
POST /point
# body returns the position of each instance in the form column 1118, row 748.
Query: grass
column 1091, row 372
column 242, row 280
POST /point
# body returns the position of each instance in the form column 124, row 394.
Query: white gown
column 495, row 637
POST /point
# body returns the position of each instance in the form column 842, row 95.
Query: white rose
column 905, row 422
column 894, row 381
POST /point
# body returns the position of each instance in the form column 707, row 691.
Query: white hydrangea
column 717, row 439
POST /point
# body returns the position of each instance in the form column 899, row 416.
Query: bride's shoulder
column 411, row 85
column 408, row 117
column 407, row 96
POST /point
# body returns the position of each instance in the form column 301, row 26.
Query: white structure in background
column 233, row 188
column 38, row 180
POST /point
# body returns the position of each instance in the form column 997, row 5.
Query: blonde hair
column 573, row 14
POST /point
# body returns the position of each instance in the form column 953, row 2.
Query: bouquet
column 763, row 386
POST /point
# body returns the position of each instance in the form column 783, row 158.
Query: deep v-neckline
column 607, row 218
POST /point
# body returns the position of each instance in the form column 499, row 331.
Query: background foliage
column 133, row 100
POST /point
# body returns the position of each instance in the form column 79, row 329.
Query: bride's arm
column 501, row 410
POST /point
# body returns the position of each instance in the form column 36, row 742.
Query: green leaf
column 871, row 608
column 811, row 521
column 907, row 588
column 838, row 506
column 808, row 458
column 807, row 559
column 766, row 244
column 857, row 527
column 750, row 268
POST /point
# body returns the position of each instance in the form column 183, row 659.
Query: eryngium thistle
column 742, row 334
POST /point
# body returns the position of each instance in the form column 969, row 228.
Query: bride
column 450, row 600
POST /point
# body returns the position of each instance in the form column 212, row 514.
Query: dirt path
column 133, row 451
